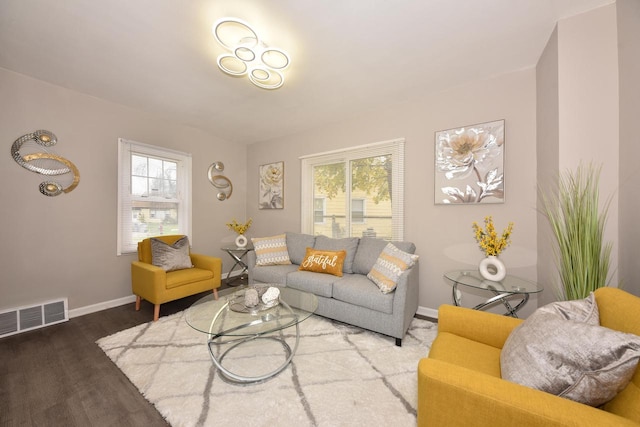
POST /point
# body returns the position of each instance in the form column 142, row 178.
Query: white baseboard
column 101, row 306
column 427, row 312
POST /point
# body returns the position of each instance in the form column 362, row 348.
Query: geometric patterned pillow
column 171, row 257
column 271, row 250
column 389, row 266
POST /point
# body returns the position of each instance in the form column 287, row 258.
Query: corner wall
column 65, row 246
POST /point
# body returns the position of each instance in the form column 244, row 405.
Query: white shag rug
column 340, row 375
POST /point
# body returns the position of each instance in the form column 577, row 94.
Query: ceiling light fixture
column 249, row 55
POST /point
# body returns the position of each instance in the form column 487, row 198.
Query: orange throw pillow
column 329, row 262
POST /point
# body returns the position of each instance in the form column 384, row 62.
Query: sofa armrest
column 207, row 262
column 481, row 326
column 449, row 395
column 148, row 280
column 251, row 264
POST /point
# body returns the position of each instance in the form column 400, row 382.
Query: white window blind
column 154, row 193
column 370, row 175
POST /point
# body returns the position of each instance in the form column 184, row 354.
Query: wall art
column 31, row 151
column 470, row 164
column 271, row 195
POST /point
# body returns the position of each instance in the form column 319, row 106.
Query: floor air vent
column 23, row 319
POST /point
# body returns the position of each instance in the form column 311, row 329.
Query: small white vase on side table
column 491, row 268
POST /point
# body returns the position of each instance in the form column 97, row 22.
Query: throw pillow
column 271, row 250
column 561, row 349
column 389, row 266
column 329, row 262
column 171, row 257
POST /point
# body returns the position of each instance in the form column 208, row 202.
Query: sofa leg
column 399, row 342
column 215, row 293
column 156, row 312
column 138, row 299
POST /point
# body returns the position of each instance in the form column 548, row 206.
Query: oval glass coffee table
column 501, row 290
column 229, row 325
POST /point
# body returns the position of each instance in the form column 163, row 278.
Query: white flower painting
column 271, row 194
column 469, row 164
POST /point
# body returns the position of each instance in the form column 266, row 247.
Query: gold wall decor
column 221, row 182
column 24, row 153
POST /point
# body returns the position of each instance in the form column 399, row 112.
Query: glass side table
column 502, row 290
column 237, row 254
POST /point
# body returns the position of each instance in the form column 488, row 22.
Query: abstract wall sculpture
column 27, row 152
column 220, row 182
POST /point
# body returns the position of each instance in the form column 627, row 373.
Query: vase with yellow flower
column 241, row 240
column 492, row 268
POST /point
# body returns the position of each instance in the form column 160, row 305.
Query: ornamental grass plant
column 578, row 224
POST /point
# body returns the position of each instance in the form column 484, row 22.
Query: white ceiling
column 348, row 56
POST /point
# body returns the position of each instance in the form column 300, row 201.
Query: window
column 349, row 180
column 154, row 193
column 318, row 210
column 357, row 211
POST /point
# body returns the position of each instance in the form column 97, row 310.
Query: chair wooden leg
column 215, row 293
column 156, row 312
column 138, row 299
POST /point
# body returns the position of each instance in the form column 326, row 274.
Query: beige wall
column 65, row 246
column 629, row 196
column 442, row 234
column 577, row 87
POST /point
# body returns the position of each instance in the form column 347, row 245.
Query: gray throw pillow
column 562, row 349
column 171, row 257
column 349, row 244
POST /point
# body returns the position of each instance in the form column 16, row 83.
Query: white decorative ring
column 491, row 268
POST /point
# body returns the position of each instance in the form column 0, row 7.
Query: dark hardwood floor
column 58, row 376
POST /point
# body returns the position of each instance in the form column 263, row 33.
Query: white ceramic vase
column 241, row 241
column 491, row 268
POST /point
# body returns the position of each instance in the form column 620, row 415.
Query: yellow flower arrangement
column 488, row 239
column 239, row 228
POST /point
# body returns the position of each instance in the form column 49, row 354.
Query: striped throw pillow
column 271, row 250
column 389, row 266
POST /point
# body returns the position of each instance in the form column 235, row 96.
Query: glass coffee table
column 501, row 290
column 229, row 324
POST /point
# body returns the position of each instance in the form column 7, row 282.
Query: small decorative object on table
column 491, row 268
column 241, row 240
column 254, row 299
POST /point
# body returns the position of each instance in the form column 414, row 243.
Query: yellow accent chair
column 157, row 286
column 459, row 384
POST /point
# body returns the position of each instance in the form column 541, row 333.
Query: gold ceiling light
column 248, row 55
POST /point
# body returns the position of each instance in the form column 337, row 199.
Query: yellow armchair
column 459, row 384
column 153, row 284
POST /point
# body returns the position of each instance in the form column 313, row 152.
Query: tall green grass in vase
column 578, row 225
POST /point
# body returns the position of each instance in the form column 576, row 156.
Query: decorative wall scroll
column 45, row 163
column 271, row 194
column 470, row 164
column 220, row 182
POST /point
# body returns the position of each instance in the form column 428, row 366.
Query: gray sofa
column 352, row 298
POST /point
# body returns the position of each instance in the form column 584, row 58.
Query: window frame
column 393, row 147
column 126, row 245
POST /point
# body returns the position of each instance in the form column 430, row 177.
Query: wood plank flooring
column 58, row 376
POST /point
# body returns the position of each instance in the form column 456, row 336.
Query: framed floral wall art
column 470, row 164
column 271, row 195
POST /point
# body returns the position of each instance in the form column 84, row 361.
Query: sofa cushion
column 276, row 274
column 369, row 249
column 328, row 262
column 318, row 284
column 356, row 289
column 349, row 244
column 389, row 266
column 561, row 351
column 271, row 250
column 171, row 257
column 179, row 278
column 297, row 245
column 466, row 353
